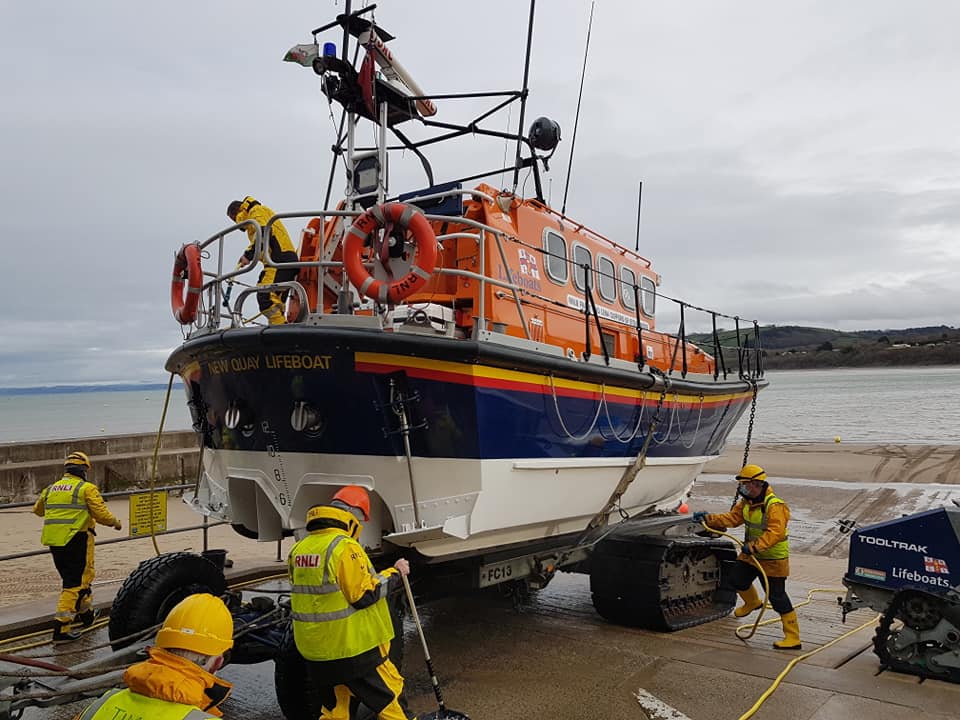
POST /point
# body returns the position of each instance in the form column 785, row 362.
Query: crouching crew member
column 341, row 621
column 71, row 508
column 177, row 682
column 765, row 517
column 280, row 249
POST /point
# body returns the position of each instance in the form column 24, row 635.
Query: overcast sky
column 800, row 160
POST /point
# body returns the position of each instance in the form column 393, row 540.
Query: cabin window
column 648, row 296
column 628, row 278
column 607, row 279
column 610, row 343
column 581, row 257
column 555, row 245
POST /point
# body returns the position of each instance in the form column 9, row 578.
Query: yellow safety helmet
column 751, row 472
column 341, row 518
column 77, row 458
column 200, row 623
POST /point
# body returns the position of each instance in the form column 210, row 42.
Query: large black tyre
column 150, row 591
column 298, row 698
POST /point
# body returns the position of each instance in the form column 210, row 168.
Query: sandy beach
column 34, row 578
column 28, row 579
column 849, row 462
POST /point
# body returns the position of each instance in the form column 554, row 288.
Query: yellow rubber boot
column 791, row 632
column 751, row 602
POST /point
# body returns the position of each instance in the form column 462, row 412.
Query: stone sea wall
column 119, row 462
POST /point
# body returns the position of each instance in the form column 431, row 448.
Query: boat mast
column 523, row 99
column 576, row 120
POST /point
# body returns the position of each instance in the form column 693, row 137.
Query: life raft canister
column 406, row 218
column 306, row 276
column 186, row 266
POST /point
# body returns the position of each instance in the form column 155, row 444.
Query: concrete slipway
column 556, row 658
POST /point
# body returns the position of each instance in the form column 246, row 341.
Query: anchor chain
column 746, row 444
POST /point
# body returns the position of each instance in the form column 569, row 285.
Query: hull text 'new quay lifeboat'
column 487, row 367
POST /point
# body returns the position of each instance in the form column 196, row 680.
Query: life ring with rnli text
column 186, row 269
column 406, row 218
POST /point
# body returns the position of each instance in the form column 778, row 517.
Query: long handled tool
column 442, row 713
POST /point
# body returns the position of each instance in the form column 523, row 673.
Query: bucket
column 217, row 557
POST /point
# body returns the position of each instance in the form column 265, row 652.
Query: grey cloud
column 799, row 160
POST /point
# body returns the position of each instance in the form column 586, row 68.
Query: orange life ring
column 406, row 217
column 186, row 266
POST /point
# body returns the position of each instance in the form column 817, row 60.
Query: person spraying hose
column 765, row 517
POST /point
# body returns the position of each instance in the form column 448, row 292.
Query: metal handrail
column 206, row 525
column 483, row 235
column 98, row 543
column 115, row 493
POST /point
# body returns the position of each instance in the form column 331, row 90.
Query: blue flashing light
column 329, row 49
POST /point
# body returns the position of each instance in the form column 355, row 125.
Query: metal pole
column 205, row 533
column 523, row 99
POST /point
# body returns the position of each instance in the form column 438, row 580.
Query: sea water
column 64, row 415
column 916, row 405
column 874, row 405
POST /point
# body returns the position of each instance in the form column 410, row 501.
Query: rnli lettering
column 893, row 544
column 307, row 561
column 121, row 714
column 298, row 362
column 61, row 487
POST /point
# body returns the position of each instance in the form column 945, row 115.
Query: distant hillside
column 110, row 387
column 791, row 346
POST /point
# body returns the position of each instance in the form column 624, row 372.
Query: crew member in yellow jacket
column 177, row 682
column 280, row 249
column 765, row 517
column 341, row 621
column 71, row 509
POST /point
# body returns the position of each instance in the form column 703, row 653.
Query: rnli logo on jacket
column 307, row 561
column 935, row 565
column 61, row 487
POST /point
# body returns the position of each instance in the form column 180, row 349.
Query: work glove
column 118, row 525
column 699, row 516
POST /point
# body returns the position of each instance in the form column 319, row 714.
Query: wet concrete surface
column 554, row 657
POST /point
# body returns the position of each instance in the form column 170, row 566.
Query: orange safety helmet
column 356, row 497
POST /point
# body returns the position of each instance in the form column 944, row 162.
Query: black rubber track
column 150, row 591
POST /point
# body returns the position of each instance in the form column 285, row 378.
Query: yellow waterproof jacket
column 772, row 539
column 280, row 243
column 165, row 687
column 69, row 506
column 338, row 600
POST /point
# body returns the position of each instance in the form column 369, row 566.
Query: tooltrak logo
column 893, row 544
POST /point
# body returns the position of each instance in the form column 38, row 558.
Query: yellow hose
column 756, row 623
column 156, row 459
column 769, row 691
column 766, row 589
